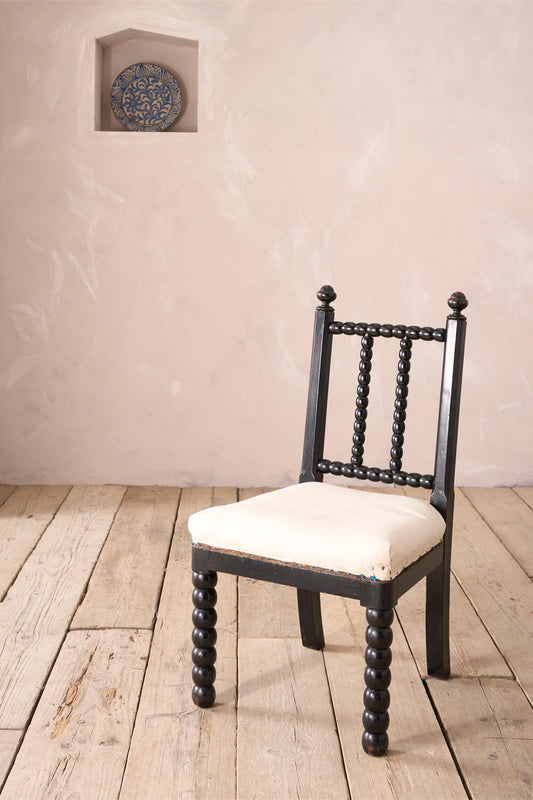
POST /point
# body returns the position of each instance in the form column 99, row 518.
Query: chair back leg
column 310, row 619
column 438, row 621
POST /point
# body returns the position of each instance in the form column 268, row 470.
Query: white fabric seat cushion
column 327, row 526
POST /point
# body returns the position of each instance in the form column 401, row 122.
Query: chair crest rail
column 427, row 334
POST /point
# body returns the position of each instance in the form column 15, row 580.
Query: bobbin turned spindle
column 376, row 697
column 204, row 637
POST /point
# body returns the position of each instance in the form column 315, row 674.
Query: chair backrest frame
column 314, row 466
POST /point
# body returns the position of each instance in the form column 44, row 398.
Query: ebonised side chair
column 322, row 537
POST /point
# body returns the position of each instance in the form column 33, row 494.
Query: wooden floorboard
column 498, row 588
column 5, row 491
column 125, row 585
column 177, row 750
column 287, row 746
column 95, row 669
column 9, row 742
column 78, row 740
column 489, row 724
column 510, row 518
column 526, row 493
column 24, row 516
column 36, row 612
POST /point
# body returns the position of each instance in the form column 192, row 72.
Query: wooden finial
column 457, row 303
column 326, row 295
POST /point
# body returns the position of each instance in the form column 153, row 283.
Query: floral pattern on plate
column 146, row 97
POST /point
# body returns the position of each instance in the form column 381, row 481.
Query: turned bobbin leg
column 376, row 698
column 204, row 637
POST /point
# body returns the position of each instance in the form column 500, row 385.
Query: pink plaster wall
column 158, row 290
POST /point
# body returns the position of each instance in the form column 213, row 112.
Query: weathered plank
column 178, row 750
column 5, row 491
column 38, row 607
column 497, row 586
column 24, row 515
column 510, row 518
column 472, row 651
column 287, row 746
column 126, row 582
column 526, row 493
column 248, row 492
column 489, row 724
column 267, row 610
column 9, row 741
column 77, row 742
column 418, row 763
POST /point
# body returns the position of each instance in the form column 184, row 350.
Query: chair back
column 315, row 466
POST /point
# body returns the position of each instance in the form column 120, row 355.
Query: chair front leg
column 376, row 698
column 204, row 637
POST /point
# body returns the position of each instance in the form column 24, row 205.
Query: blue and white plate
column 146, row 97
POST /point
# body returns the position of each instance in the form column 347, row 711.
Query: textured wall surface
column 158, row 289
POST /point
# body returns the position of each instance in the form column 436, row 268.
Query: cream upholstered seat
column 372, row 535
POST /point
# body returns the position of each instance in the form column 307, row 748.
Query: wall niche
column 119, row 50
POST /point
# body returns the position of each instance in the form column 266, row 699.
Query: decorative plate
column 146, row 97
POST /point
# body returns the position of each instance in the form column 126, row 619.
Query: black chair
column 322, row 537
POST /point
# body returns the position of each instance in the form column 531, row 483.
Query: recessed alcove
column 119, row 50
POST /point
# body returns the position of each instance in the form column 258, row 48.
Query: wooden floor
column 95, row 663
